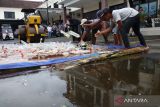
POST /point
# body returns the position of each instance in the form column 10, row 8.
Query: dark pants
column 134, row 23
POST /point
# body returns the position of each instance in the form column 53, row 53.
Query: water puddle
column 89, row 85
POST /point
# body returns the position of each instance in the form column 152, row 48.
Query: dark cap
column 101, row 12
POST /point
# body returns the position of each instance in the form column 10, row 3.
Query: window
column 149, row 6
column 9, row 15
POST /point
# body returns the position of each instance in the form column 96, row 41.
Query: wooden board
column 102, row 57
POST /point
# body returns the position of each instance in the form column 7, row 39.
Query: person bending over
column 126, row 18
column 94, row 25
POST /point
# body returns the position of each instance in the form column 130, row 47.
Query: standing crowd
column 54, row 30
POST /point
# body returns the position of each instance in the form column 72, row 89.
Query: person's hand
column 81, row 43
column 98, row 34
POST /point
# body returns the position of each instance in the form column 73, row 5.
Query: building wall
column 18, row 13
column 96, row 6
column 115, row 2
column 91, row 8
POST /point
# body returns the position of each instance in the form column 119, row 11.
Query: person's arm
column 119, row 24
column 117, row 19
column 105, row 30
column 92, row 25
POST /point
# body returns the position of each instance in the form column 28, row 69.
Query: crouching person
column 126, row 18
column 95, row 25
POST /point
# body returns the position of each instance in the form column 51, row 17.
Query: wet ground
column 89, row 85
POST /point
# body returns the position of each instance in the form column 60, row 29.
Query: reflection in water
column 94, row 85
column 89, row 85
column 149, row 74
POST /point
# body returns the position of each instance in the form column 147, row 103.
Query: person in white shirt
column 126, row 18
column 49, row 28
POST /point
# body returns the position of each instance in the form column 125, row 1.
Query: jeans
column 134, row 23
column 49, row 34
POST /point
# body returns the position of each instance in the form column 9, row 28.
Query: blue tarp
column 112, row 46
column 42, row 63
column 54, row 61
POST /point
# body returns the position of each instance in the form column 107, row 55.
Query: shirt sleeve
column 116, row 16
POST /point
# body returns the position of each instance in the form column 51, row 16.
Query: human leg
column 136, row 29
column 124, row 32
column 119, row 39
column 115, row 39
